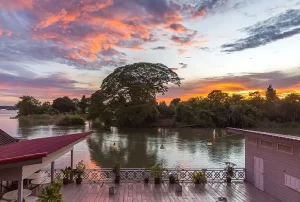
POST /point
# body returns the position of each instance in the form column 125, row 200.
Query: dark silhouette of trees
column 64, row 104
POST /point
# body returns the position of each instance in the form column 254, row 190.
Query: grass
column 47, row 119
column 71, row 120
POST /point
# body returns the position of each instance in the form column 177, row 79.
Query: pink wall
column 276, row 164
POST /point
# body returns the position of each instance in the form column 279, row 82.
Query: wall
column 276, row 163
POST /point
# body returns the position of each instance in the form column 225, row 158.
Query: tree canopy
column 64, row 104
column 128, row 94
column 28, row 105
column 138, row 82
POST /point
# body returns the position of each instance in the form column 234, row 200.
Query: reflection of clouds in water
column 140, row 147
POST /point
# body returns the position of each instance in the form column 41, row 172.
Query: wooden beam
column 11, row 174
column 20, row 164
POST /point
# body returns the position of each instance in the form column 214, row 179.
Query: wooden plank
column 139, row 192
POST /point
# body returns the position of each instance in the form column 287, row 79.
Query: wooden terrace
column 165, row 192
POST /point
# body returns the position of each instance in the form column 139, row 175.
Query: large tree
column 28, row 105
column 83, row 104
column 129, row 93
column 139, row 82
column 64, row 104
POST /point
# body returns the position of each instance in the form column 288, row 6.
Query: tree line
column 29, row 105
column 127, row 98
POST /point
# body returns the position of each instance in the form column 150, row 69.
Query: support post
column 52, row 172
column 72, row 155
column 20, row 190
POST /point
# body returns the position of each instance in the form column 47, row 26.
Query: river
column 138, row 148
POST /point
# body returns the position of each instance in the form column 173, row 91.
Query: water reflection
column 184, row 147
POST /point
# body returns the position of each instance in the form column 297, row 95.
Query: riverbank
column 57, row 119
column 79, row 119
column 172, row 123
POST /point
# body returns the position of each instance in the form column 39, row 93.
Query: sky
column 53, row 48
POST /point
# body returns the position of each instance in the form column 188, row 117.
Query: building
column 21, row 159
column 272, row 163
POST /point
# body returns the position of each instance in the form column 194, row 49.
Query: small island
column 128, row 98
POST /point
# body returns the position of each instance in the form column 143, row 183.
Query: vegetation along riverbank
column 127, row 98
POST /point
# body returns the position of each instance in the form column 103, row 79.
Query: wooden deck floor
column 136, row 192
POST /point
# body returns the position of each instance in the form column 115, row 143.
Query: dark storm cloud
column 52, row 81
column 282, row 26
column 205, row 7
column 185, row 39
column 183, row 65
column 159, row 48
column 178, row 27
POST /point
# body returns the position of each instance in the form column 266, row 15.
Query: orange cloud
column 73, row 56
column 5, row 32
column 199, row 13
column 98, row 6
column 93, row 56
column 17, row 4
column 63, row 16
column 176, row 27
column 181, row 51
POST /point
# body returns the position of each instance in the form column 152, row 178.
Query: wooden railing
column 138, row 174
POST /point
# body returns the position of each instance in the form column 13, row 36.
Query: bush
column 70, row 120
column 199, row 177
column 51, row 193
column 77, row 120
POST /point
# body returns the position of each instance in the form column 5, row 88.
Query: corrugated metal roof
column 288, row 137
column 36, row 148
column 6, row 138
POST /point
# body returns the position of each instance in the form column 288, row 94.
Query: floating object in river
column 162, row 147
column 209, row 143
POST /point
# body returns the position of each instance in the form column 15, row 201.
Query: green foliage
column 173, row 178
column 165, row 111
column 28, row 105
column 79, row 170
column 175, row 102
column 199, row 177
column 138, row 115
column 84, row 104
column 64, row 104
column 70, row 120
column 128, row 94
column 271, row 95
column 51, row 193
column 229, row 168
column 67, row 172
column 139, row 81
column 157, row 170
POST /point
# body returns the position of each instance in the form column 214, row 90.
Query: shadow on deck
column 136, row 192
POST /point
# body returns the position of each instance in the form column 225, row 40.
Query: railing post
column 72, row 155
column 52, row 172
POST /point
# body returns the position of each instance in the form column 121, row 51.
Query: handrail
column 127, row 174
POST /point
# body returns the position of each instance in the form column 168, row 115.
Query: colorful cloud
column 69, row 46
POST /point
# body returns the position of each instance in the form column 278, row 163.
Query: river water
column 138, row 148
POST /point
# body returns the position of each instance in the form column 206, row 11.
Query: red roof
column 287, row 137
column 36, row 148
column 6, row 138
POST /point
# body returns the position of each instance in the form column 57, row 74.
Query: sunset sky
column 52, row 48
